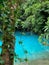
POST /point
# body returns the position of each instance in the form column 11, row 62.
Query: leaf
column 26, row 59
column 20, row 42
column 25, row 51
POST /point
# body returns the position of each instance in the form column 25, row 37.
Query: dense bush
column 33, row 16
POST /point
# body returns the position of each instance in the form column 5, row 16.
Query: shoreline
column 35, row 62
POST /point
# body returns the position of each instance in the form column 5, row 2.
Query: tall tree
column 8, row 33
column 8, row 28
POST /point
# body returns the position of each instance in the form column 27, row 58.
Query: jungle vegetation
column 28, row 15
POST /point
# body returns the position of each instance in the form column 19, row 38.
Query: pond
column 30, row 43
column 28, row 46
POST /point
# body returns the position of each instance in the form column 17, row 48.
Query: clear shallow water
column 30, row 43
column 0, row 45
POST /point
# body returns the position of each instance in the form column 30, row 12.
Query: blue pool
column 29, row 43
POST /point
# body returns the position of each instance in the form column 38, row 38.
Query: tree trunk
column 8, row 33
column 8, row 37
column 6, row 58
column 8, row 49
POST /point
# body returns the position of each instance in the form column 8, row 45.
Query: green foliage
column 47, row 25
column 32, row 15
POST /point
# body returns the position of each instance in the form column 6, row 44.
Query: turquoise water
column 29, row 43
column 0, row 45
